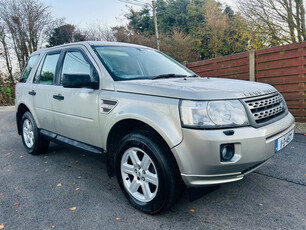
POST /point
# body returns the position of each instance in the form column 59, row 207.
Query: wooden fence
column 284, row 67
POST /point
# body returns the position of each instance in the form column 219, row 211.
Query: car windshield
column 131, row 63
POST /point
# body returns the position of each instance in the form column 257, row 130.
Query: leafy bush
column 7, row 96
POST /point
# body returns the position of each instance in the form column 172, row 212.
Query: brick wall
column 284, row 67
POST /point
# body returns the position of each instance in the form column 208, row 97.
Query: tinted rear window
column 28, row 68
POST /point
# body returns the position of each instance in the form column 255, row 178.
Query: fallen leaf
column 52, row 226
column 73, row 208
column 46, row 170
column 117, row 218
column 73, row 183
column 16, row 204
column 77, row 189
column 1, row 195
column 260, row 204
column 192, row 210
column 1, row 226
column 59, row 185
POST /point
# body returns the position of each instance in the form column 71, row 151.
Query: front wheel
column 147, row 173
column 33, row 142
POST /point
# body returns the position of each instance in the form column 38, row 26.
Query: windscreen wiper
column 194, row 75
column 169, row 75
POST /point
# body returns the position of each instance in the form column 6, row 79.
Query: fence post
column 252, row 65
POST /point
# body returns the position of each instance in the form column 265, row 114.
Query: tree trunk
column 6, row 56
column 302, row 12
column 8, row 61
column 298, row 20
column 290, row 21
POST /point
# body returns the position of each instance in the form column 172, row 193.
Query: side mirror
column 76, row 80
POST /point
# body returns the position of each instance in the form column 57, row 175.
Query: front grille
column 264, row 109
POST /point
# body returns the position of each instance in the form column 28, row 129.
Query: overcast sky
column 86, row 12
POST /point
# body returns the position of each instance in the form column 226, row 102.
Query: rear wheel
column 147, row 173
column 33, row 142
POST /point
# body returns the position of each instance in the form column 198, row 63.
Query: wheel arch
column 22, row 108
column 121, row 129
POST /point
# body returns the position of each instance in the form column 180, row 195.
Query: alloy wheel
column 139, row 174
column 28, row 133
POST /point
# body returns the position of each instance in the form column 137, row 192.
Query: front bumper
column 198, row 155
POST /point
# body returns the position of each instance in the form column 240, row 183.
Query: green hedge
column 7, row 95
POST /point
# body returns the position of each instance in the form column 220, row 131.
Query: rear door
column 43, row 90
column 24, row 87
column 76, row 109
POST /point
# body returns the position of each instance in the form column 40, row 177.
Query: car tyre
column 34, row 143
column 147, row 172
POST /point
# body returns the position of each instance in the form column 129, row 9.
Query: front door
column 76, row 109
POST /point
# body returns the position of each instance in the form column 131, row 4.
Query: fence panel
column 233, row 66
column 284, row 67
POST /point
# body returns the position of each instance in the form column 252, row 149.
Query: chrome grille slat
column 267, row 113
column 264, row 102
column 263, row 108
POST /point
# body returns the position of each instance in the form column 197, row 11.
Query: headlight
column 213, row 114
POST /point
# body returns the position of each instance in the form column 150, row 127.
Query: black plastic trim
column 32, row 93
column 58, row 97
column 47, row 134
column 229, row 132
column 70, row 142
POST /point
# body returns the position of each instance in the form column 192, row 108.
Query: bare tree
column 121, row 33
column 300, row 20
column 26, row 22
column 6, row 54
column 99, row 32
column 283, row 20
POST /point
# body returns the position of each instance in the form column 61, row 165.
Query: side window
column 75, row 63
column 28, row 68
column 46, row 71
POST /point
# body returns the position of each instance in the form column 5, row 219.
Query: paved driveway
column 37, row 192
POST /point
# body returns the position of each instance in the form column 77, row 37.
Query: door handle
column 33, row 93
column 58, row 97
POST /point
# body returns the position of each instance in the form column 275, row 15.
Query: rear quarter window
column 46, row 70
column 28, row 68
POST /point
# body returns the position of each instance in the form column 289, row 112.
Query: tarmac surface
column 65, row 189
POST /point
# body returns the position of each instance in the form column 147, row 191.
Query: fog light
column 227, row 152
